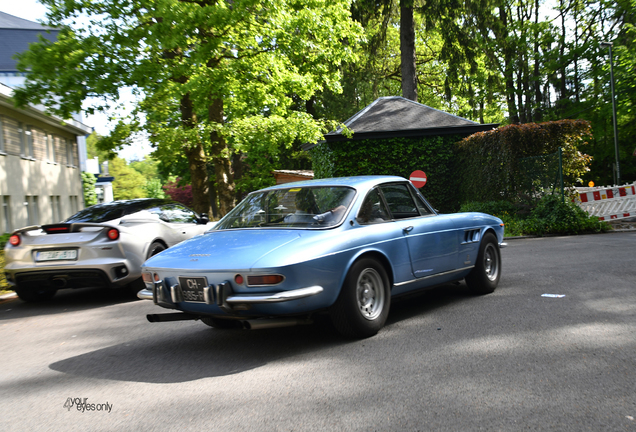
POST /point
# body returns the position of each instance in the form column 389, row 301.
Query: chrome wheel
column 491, row 262
column 484, row 277
column 364, row 301
column 370, row 293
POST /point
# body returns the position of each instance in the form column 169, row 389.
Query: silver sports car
column 100, row 246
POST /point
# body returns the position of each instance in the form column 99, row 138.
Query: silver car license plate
column 56, row 255
column 192, row 288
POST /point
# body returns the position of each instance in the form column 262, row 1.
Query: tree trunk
column 538, row 96
column 221, row 158
column 196, row 160
column 509, row 55
column 407, row 50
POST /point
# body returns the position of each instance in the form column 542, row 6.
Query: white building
column 41, row 156
column 40, row 178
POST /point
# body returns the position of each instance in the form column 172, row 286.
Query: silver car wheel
column 370, row 293
column 491, row 262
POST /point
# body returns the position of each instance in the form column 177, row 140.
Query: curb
column 7, row 297
column 612, row 231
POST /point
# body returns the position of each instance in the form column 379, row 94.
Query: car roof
column 357, row 182
column 115, row 209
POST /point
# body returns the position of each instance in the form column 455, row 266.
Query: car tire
column 220, row 323
column 35, row 295
column 484, row 277
column 138, row 284
column 364, row 301
column 155, row 248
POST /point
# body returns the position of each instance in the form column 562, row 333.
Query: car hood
column 236, row 250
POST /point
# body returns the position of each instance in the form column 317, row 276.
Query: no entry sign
column 418, row 178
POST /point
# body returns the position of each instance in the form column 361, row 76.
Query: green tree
column 198, row 66
column 128, row 183
column 149, row 169
column 88, row 186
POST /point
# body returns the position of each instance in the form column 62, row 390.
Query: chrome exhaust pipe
column 260, row 324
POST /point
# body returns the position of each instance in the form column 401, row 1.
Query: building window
column 40, row 151
column 6, row 213
column 56, row 208
column 11, row 136
column 70, row 155
column 2, row 151
column 33, row 212
column 50, row 148
column 74, row 204
column 26, row 141
column 60, row 150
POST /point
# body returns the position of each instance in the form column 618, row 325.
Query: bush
column 550, row 216
column 553, row 216
column 3, row 282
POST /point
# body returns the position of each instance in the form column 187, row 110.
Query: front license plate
column 56, row 255
column 192, row 288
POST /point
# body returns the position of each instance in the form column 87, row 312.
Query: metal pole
column 561, row 174
column 618, row 168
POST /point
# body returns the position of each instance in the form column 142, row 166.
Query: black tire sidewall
column 477, row 280
column 154, row 249
column 346, row 315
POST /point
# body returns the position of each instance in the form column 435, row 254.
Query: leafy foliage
column 396, row 156
column 551, row 215
column 182, row 194
column 488, row 162
column 128, row 183
column 88, row 186
column 198, row 69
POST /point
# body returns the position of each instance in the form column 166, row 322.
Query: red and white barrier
column 607, row 203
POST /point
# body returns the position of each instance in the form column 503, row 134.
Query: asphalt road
column 512, row 360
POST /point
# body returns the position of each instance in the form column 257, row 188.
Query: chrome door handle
column 408, row 229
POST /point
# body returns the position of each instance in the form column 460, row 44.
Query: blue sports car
column 342, row 246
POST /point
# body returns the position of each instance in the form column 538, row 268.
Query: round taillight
column 239, row 279
column 14, row 240
column 113, row 234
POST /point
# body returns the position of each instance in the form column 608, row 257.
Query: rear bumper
column 112, row 276
column 231, row 299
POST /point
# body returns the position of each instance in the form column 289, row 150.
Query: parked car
column 342, row 246
column 101, row 246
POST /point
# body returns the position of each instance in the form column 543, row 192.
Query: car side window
column 421, row 204
column 400, row 201
column 178, row 214
column 373, row 209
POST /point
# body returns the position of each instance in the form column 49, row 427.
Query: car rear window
column 112, row 210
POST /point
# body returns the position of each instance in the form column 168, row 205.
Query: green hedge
column 395, row 156
column 489, row 163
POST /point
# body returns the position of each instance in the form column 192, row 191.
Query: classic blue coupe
column 342, row 246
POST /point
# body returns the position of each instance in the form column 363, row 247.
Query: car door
column 182, row 222
column 432, row 239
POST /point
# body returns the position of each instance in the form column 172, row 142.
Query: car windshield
column 296, row 207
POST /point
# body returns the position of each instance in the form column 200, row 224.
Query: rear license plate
column 56, row 255
column 192, row 288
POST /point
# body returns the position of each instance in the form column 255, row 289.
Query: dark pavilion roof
column 15, row 36
column 395, row 116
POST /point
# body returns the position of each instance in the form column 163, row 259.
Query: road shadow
column 195, row 354
column 190, row 353
column 65, row 301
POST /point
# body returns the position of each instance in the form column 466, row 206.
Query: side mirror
column 204, row 219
